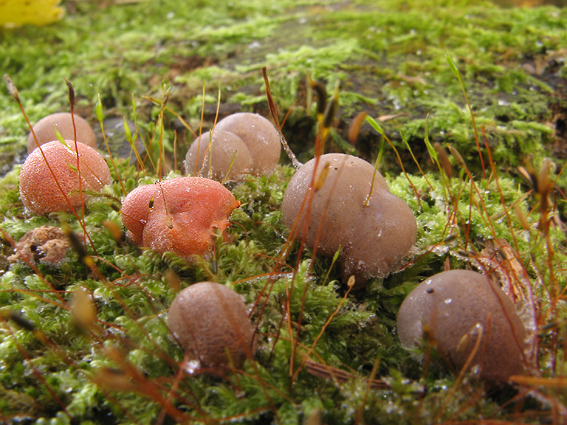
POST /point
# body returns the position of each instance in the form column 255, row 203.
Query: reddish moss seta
column 178, row 215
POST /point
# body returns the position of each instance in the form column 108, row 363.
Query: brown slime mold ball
column 456, row 307
column 226, row 150
column 259, row 135
column 374, row 236
column 385, row 233
column 45, row 133
column 346, row 184
column 43, row 192
column 208, row 319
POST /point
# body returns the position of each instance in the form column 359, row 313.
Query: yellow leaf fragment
column 14, row 13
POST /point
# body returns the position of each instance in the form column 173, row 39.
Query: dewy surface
column 86, row 340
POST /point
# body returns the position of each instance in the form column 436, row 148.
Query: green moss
column 389, row 58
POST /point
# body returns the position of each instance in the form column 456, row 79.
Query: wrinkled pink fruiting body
column 43, row 192
column 185, row 213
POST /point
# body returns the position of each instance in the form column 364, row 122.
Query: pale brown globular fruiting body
column 55, row 187
column 259, row 135
column 224, row 154
column 210, row 322
column 382, row 238
column 179, row 215
column 456, row 308
column 375, row 232
column 63, row 121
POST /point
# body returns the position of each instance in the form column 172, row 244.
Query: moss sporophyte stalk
column 306, row 316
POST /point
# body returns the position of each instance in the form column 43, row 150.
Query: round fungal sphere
column 259, row 135
column 208, row 319
column 229, row 155
column 385, row 233
column 457, row 307
column 43, row 188
column 343, row 183
column 374, row 236
column 63, row 121
column 179, row 215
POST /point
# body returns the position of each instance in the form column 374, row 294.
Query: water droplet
column 440, row 249
column 448, row 301
column 192, row 366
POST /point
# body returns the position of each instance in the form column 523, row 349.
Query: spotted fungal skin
column 208, row 319
column 43, row 192
column 178, row 215
column 456, row 307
